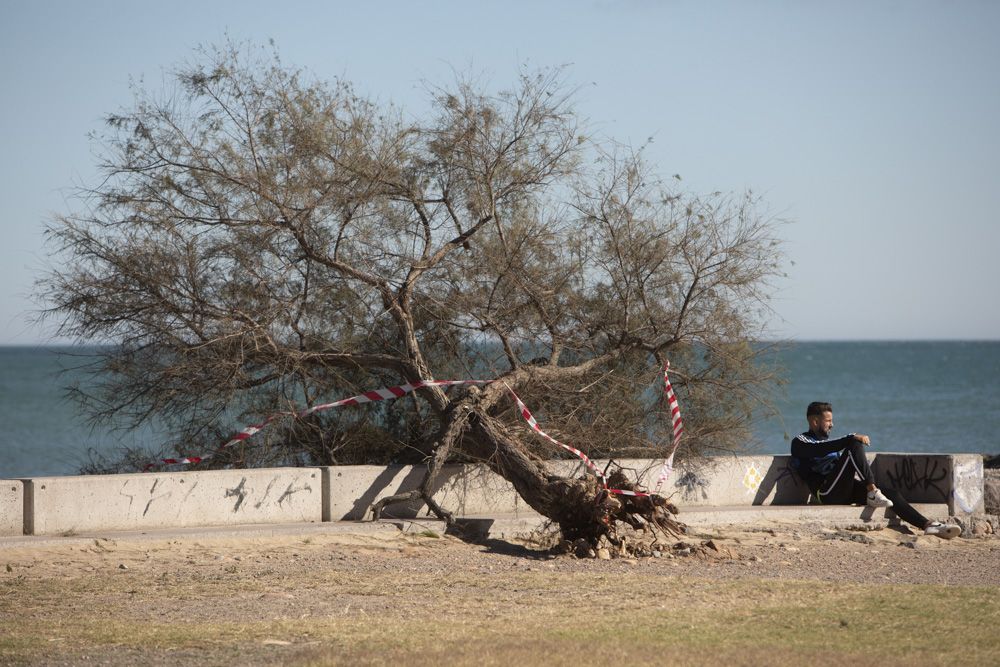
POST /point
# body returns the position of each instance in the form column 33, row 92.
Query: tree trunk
column 581, row 507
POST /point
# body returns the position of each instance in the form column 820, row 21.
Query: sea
column 907, row 396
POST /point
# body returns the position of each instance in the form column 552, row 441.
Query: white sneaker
column 876, row 499
column 945, row 531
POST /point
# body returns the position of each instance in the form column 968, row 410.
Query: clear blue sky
column 874, row 127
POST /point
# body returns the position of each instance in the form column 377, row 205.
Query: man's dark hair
column 818, row 408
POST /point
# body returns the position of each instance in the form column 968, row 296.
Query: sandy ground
column 292, row 599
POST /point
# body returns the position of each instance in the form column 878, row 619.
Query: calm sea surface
column 909, row 396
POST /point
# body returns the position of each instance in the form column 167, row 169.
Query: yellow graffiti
column 752, row 478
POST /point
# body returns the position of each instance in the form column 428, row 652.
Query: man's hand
column 863, row 439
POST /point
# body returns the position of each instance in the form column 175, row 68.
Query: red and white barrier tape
column 387, row 393
column 533, row 423
column 367, row 397
column 678, row 426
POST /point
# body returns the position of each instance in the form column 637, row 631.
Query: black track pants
column 841, row 487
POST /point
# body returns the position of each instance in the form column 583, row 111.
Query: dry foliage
column 263, row 241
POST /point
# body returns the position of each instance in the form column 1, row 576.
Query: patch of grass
column 723, row 623
column 536, row 617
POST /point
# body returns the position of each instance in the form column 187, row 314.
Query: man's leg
column 841, row 488
column 860, row 462
column 905, row 510
column 838, row 486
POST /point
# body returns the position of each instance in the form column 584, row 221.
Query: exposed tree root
column 642, row 546
column 586, row 513
column 622, row 525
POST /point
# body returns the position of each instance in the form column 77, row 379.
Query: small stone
column 982, row 528
column 909, row 545
column 684, row 551
column 9, row 568
column 122, row 566
column 792, row 549
column 656, row 554
column 603, row 554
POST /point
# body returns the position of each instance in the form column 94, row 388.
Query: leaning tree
column 261, row 240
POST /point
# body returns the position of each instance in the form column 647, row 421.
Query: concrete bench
column 11, row 507
column 70, row 504
column 954, row 480
column 64, row 505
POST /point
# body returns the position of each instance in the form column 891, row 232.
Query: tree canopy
column 262, row 240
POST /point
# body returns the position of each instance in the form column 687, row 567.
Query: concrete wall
column 466, row 490
column 474, row 491
column 11, row 507
column 737, row 480
column 956, row 479
column 55, row 505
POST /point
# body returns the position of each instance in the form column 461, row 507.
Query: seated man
column 837, row 472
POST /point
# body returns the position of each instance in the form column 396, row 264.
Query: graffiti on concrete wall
column 690, row 484
column 239, row 492
column 154, row 498
column 752, row 478
column 925, row 475
column 968, row 489
column 267, row 492
column 151, row 493
column 291, row 490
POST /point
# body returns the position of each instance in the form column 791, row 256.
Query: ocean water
column 908, row 396
column 41, row 431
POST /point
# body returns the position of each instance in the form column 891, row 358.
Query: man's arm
column 804, row 447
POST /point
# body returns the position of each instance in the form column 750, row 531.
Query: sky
column 872, row 128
